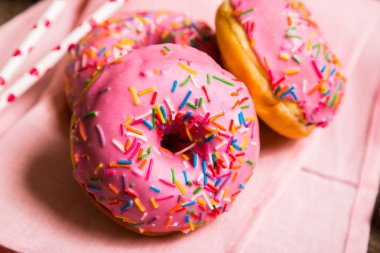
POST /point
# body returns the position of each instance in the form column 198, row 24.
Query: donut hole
column 177, row 137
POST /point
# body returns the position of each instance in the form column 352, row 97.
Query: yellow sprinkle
column 142, row 92
column 308, row 46
column 180, row 187
column 240, row 160
column 134, row 130
column 157, row 71
column 284, row 57
column 252, row 43
column 232, row 149
column 113, row 188
column 187, row 68
column 201, row 201
column 225, row 192
column 191, row 225
column 154, row 203
column 175, row 25
column 251, row 119
column 139, row 205
column 188, row 133
column 214, row 202
column 136, row 100
column 96, row 170
column 160, row 115
column 185, row 157
column 244, row 142
column 217, row 155
column 292, row 72
column 128, row 121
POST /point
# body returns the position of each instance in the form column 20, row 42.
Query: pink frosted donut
column 165, row 139
column 126, row 31
column 281, row 54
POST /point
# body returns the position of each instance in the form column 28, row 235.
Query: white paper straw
column 21, row 53
column 12, row 92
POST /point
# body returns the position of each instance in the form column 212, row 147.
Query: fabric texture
column 310, row 195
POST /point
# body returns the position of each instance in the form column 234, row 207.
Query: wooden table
column 10, row 8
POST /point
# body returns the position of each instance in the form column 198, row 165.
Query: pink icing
column 285, row 39
column 126, row 31
column 107, row 117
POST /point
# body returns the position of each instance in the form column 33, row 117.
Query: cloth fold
column 310, row 195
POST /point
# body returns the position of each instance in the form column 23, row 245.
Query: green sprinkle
column 89, row 83
column 165, row 40
column 135, row 224
column 90, row 115
column 189, row 183
column 246, row 12
column 96, row 179
column 291, row 29
column 149, row 150
column 296, row 59
column 199, row 223
column 223, row 81
column 131, row 185
column 167, row 48
column 173, row 176
column 185, row 82
column 244, row 107
column 190, row 211
column 208, row 79
column 191, row 105
column 249, row 162
column 277, row 90
column 154, row 117
column 197, row 190
column 318, row 46
column 293, row 36
column 200, row 101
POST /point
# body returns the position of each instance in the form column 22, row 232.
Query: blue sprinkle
column 189, row 203
column 128, row 205
column 150, row 126
column 185, row 176
column 287, row 92
column 187, row 219
column 332, row 72
column 236, row 146
column 195, row 160
column 242, row 119
column 241, row 186
column 218, row 182
column 214, row 160
column 210, row 138
column 323, row 69
column 174, row 85
column 93, row 187
column 101, row 52
column 155, row 189
column 124, row 162
column 187, row 116
column 204, row 170
column 163, row 112
column 294, row 95
column 326, row 92
column 185, row 99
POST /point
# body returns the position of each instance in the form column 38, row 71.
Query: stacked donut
column 163, row 139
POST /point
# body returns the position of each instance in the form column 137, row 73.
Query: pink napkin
column 312, row 195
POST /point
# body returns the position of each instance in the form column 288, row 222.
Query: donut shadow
column 271, row 141
column 50, row 182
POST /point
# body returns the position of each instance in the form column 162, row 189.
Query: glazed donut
column 164, row 140
column 279, row 52
column 126, row 31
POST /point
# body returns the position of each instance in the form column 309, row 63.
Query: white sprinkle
column 144, row 215
column 220, row 145
column 170, row 105
column 144, row 115
column 253, row 143
column 243, row 130
column 226, row 158
column 157, row 151
column 186, row 164
column 194, row 197
column 144, row 139
column 185, row 149
column 195, row 82
column 118, row 145
column 207, row 200
column 304, row 86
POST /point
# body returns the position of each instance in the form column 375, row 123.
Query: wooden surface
column 10, row 8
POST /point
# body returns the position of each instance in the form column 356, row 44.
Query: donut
column 126, row 31
column 279, row 52
column 164, row 140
